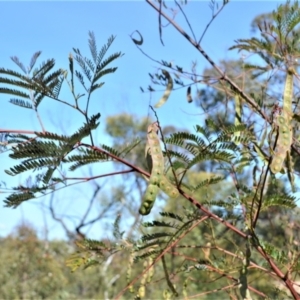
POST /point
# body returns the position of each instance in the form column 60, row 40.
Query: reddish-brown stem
column 161, row 255
column 137, row 169
column 17, row 131
column 223, row 274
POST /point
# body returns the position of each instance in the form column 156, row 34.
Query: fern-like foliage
column 279, row 38
column 208, row 182
column 95, row 69
column 283, row 200
column 48, row 151
column 91, row 253
column 207, row 146
column 278, row 254
column 86, row 156
column 40, row 81
column 40, row 154
column 111, row 150
column 15, row 199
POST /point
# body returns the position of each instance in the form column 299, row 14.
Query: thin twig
column 59, row 220
column 186, row 19
column 82, row 224
column 210, row 22
column 159, row 22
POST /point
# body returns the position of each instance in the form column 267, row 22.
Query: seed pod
column 157, row 178
column 285, row 136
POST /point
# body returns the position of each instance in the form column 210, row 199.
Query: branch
column 59, row 220
column 223, row 274
column 17, row 131
column 187, row 20
column 211, row 215
column 224, row 77
column 256, row 108
column 212, row 19
column 82, row 224
column 161, row 255
column 133, row 167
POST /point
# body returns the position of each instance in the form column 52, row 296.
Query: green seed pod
column 148, row 199
column 285, row 136
column 157, row 178
column 168, row 188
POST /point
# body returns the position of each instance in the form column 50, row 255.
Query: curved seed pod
column 291, row 176
column 288, row 94
column 157, row 178
column 148, row 199
column 285, row 136
column 157, row 174
column 189, row 95
column 168, row 90
column 157, row 159
column 283, row 145
column 137, row 42
column 166, row 186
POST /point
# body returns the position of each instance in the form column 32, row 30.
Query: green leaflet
column 157, row 179
column 168, row 90
column 283, row 121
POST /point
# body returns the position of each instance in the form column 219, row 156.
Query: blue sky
column 56, row 27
